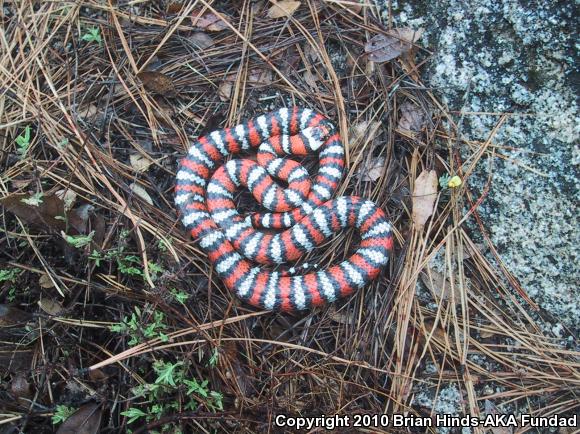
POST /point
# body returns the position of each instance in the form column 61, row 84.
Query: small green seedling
column 23, row 141
column 79, row 241
column 93, row 35
column 62, row 413
column 133, row 414
column 34, row 200
column 9, row 274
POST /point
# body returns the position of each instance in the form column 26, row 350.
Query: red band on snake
column 304, row 212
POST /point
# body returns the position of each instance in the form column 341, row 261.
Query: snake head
column 316, row 136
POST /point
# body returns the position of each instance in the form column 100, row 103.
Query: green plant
column 129, row 265
column 62, row 413
column 171, row 378
column 93, row 35
column 133, row 414
column 23, row 141
column 140, row 330
column 180, row 296
column 79, row 241
column 9, row 274
column 214, row 358
column 34, row 200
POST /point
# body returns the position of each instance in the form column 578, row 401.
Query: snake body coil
column 205, row 196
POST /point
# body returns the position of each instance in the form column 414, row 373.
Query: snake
column 251, row 252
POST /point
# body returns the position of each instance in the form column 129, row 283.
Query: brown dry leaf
column 17, row 184
column 51, row 307
column 68, row 196
column 139, row 162
column 310, row 79
column 364, row 131
column 19, row 386
column 87, row 111
column 438, row 334
column 437, row 284
column 141, row 192
column 10, row 316
column 201, row 40
column 45, row 281
column 259, row 76
column 97, row 375
column 47, row 214
column 486, row 334
column 208, row 21
column 157, row 82
column 341, row 317
column 174, row 8
column 86, row 420
column 225, row 90
column 283, row 8
column 412, row 118
column 382, row 48
column 424, row 195
column 374, row 172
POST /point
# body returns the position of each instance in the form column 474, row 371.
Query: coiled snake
column 304, row 211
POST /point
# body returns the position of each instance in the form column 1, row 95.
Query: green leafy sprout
column 62, row 413
column 93, row 35
column 34, row 200
column 171, row 378
column 23, row 141
column 79, row 241
column 140, row 330
column 130, row 265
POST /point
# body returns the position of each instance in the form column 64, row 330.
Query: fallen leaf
column 97, row 375
column 45, row 281
column 365, row 130
column 283, row 8
column 157, row 82
column 412, row 118
column 10, row 316
column 68, row 196
column 86, row 420
column 437, row 284
column 486, row 334
column 437, row 333
column 48, row 214
column 201, row 40
column 19, row 386
column 259, row 76
column 225, row 90
column 424, row 195
column 208, row 21
column 374, row 172
column 139, row 162
column 341, row 317
column 17, row 184
column 51, row 307
column 174, row 8
column 382, row 48
column 87, row 111
column 310, row 79
column 141, row 192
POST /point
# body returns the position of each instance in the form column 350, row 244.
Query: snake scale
column 304, row 214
